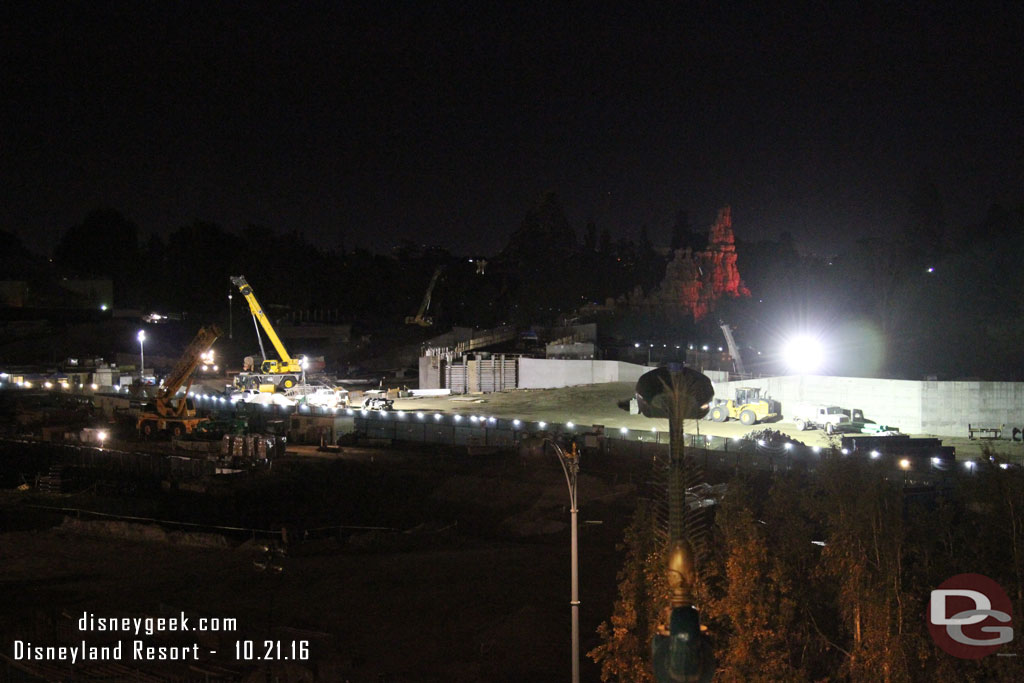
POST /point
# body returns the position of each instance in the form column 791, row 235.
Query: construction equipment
column 273, row 374
column 421, row 318
column 169, row 413
column 734, row 350
column 748, row 407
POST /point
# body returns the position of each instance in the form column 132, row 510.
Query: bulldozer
column 748, row 407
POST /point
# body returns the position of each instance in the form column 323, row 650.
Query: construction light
column 905, row 464
column 803, row 354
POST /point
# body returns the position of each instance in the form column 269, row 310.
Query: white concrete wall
column 951, row 406
column 940, row 408
column 549, row 373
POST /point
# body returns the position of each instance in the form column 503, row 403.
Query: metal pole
column 231, row 319
column 571, row 467
column 575, row 590
column 142, row 353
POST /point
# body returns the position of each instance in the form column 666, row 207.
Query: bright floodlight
column 803, row 354
column 142, row 335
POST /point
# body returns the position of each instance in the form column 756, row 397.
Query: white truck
column 813, row 416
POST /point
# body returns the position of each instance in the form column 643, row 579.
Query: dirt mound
column 147, row 533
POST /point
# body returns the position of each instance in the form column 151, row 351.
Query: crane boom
column 734, row 350
column 421, row 318
column 286, row 362
column 186, row 365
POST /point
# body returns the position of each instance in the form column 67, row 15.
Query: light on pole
column 571, row 467
column 142, row 353
column 231, row 319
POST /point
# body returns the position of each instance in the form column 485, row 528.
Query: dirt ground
column 473, row 587
column 597, row 404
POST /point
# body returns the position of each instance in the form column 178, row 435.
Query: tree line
column 945, row 301
column 827, row 575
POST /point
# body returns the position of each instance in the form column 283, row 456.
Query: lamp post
column 571, row 467
column 231, row 333
column 142, row 353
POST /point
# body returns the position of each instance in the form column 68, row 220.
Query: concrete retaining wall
column 940, row 408
column 549, row 373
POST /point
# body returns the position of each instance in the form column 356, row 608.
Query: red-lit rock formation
column 695, row 281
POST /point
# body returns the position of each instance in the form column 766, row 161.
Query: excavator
column 272, row 375
column 169, row 413
column 421, row 318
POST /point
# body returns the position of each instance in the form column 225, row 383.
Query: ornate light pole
column 571, row 467
column 570, row 462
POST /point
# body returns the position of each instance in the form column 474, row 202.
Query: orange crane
column 169, row 413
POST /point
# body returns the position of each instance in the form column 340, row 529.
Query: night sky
column 444, row 122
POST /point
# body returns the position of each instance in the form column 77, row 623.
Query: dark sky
column 444, row 122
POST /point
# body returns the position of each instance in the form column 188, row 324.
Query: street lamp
column 142, row 353
column 231, row 333
column 571, row 467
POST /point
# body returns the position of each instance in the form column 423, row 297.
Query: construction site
column 343, row 514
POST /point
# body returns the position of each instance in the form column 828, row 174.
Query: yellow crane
column 169, row 413
column 278, row 374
